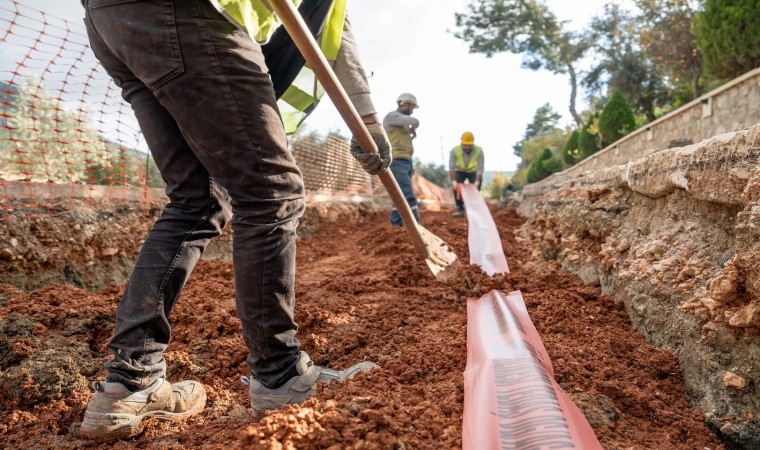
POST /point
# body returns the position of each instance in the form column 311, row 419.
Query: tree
column 729, row 36
column 616, row 119
column 666, row 35
column 544, row 122
column 623, row 65
column 435, row 173
column 42, row 141
column 524, row 27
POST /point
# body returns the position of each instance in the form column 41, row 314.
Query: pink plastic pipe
column 482, row 236
column 511, row 400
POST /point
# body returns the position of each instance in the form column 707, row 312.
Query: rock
column 6, row 254
column 688, row 271
column 746, row 317
column 110, row 251
column 733, row 381
column 549, row 236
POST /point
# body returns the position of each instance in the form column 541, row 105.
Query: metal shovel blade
column 441, row 259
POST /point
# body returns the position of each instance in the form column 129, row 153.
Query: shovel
column 437, row 254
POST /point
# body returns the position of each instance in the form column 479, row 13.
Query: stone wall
column 731, row 107
column 675, row 236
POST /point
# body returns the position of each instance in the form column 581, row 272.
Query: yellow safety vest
column 401, row 142
column 472, row 164
column 259, row 21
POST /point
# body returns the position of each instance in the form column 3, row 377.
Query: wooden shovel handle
column 296, row 28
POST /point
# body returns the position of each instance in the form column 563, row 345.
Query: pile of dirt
column 362, row 294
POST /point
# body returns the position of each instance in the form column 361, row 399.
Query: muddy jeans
column 204, row 101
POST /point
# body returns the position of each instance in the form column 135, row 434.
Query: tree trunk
column 573, row 94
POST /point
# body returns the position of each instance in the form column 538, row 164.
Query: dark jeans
column 402, row 171
column 204, row 101
column 461, row 177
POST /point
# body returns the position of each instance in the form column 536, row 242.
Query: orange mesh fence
column 328, row 166
column 66, row 133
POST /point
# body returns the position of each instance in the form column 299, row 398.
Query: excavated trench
column 675, row 237
column 362, row 293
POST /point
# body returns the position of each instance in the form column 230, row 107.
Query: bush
column 588, row 137
column 544, row 166
column 435, row 173
column 616, row 120
column 571, row 153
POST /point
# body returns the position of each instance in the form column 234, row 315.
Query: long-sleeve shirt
column 400, row 128
column 348, row 68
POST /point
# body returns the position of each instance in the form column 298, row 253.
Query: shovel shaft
column 308, row 47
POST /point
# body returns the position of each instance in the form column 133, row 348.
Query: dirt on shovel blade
column 362, row 293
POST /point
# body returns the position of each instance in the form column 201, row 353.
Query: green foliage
column 616, row 120
column 729, row 36
column 496, row 186
column 553, row 165
column 44, row 142
column 588, row 137
column 621, row 63
column 435, row 173
column 571, row 152
column 544, row 166
column 666, row 37
column 526, row 28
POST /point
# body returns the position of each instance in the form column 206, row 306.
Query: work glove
column 374, row 163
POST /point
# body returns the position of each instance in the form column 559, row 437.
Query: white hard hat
column 407, row 98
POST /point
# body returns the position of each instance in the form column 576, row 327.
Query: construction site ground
column 362, row 293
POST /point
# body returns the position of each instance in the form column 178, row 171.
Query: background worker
column 402, row 129
column 229, row 164
column 466, row 163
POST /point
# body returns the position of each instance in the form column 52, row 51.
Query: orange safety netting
column 66, row 133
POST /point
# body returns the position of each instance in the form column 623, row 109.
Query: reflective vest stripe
column 332, row 34
column 258, row 20
column 472, row 164
column 253, row 16
column 300, row 98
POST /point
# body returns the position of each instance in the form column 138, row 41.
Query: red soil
column 362, row 294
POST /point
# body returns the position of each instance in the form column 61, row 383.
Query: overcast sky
column 408, row 46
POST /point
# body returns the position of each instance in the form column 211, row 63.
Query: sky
column 409, row 46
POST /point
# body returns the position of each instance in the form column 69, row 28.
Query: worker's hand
column 454, row 184
column 374, row 163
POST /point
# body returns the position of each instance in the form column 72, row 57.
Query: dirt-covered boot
column 299, row 388
column 115, row 412
column 459, row 212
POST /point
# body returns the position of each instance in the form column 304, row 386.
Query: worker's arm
column 350, row 73
column 348, row 68
column 396, row 119
column 481, row 167
column 453, row 168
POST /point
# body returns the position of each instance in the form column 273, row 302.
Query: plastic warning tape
column 511, row 400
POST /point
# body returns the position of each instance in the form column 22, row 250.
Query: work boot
column 299, row 388
column 459, row 213
column 115, row 412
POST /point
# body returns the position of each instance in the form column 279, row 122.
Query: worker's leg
column 211, row 79
column 402, row 171
column 460, row 177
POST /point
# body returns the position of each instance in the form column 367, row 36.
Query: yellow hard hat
column 467, row 138
column 407, row 98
